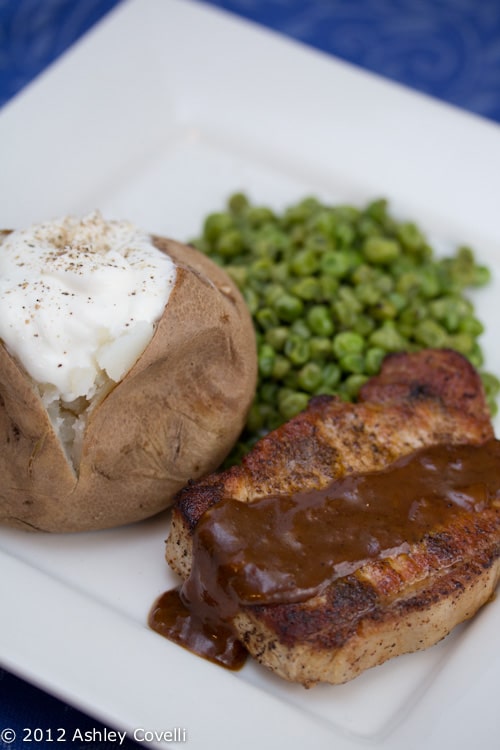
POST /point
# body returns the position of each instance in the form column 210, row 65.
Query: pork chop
column 402, row 600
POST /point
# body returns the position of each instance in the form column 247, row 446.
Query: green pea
column 354, row 363
column 289, row 307
column 491, row 383
column 348, row 214
column 291, row 378
column 281, row 367
column 304, row 263
column 324, row 222
column 481, row 276
column 300, row 212
column 276, row 337
column 471, row 325
column 445, row 311
column 269, row 242
column 252, row 299
column 293, row 404
column 347, row 342
column 377, row 211
column 365, row 274
column 310, row 377
column 259, row 215
column 229, row 243
column 388, row 338
column 412, row 314
column 238, row 203
column 348, row 295
column 353, row 384
column 298, row 235
column 266, row 318
column 369, row 227
column 255, row 419
column 430, row 285
column 329, row 287
column 301, row 329
column 374, row 357
column 261, row 269
column 388, row 307
column 239, row 274
column 384, row 283
column 215, row 224
column 297, row 350
column 268, row 392
column 345, row 234
column 462, row 342
column 385, row 309
column 266, row 358
column 380, row 250
column 266, row 410
column 476, row 356
column 344, row 314
column 398, row 300
column 429, row 333
column 283, row 393
column 331, row 375
column 364, row 325
column 308, row 289
column 368, row 294
column 335, row 263
column 320, row 347
column 408, row 283
column 280, row 272
column 320, row 320
column 410, row 236
column 271, row 292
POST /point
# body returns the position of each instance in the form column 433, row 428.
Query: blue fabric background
column 24, row 706
column 34, row 33
column 449, row 49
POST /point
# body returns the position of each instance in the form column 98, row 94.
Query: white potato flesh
column 79, row 301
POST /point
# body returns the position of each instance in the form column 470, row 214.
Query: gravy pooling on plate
column 285, row 549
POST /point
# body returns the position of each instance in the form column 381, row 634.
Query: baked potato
column 172, row 417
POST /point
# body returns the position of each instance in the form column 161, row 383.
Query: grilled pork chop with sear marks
column 430, row 567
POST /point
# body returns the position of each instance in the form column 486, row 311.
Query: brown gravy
column 285, row 549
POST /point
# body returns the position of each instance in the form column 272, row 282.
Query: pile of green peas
column 332, row 289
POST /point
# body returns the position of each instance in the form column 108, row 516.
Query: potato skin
column 174, row 416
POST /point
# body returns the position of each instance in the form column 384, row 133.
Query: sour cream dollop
column 79, row 301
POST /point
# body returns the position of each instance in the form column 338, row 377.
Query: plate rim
column 115, row 29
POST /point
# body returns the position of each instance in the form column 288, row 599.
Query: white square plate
column 157, row 116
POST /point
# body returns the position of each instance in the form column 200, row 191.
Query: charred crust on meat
column 342, row 604
column 420, row 390
column 405, row 377
column 195, row 499
column 388, row 606
column 319, row 402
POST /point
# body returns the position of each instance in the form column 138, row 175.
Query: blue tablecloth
column 449, row 49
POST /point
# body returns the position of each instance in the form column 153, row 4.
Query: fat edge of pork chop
column 387, row 607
